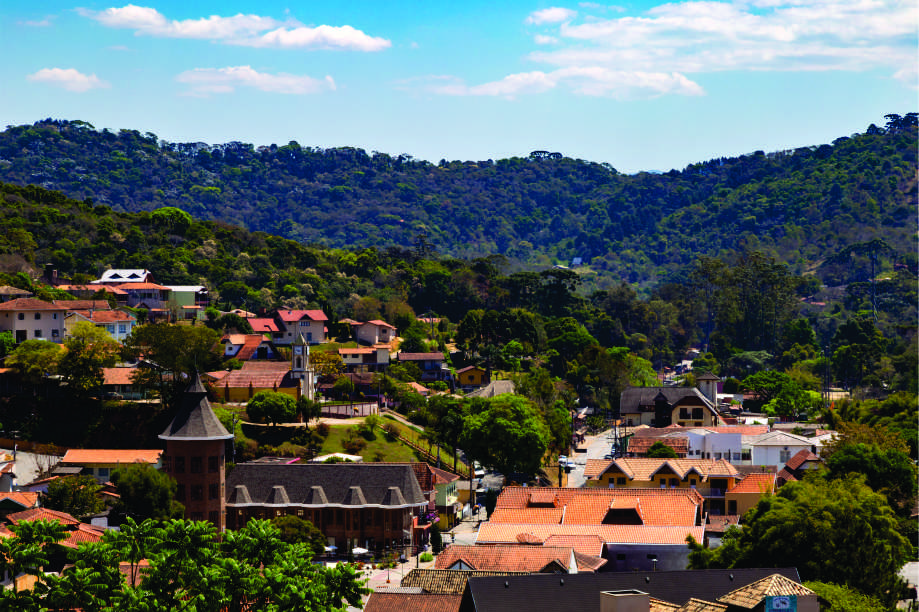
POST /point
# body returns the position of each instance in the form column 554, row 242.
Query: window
column 197, row 516
column 122, row 328
column 38, row 333
column 21, row 316
column 38, row 316
column 692, row 482
column 784, row 455
column 212, row 490
column 167, row 463
column 54, row 333
column 299, row 511
column 180, row 465
column 197, row 465
column 197, row 492
column 102, row 472
column 736, row 456
column 620, row 480
column 54, row 316
column 180, row 492
column 212, row 464
column 717, row 455
column 213, row 516
column 674, row 483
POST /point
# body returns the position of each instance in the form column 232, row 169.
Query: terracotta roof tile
column 25, row 499
column 800, row 458
column 35, row 514
column 30, row 304
column 260, row 374
column 81, row 535
column 263, row 325
column 755, row 483
column 700, row 605
column 527, row 515
column 640, row 446
column 289, row 316
column 511, row 557
column 117, row 376
column 250, row 346
column 582, row 544
column 84, row 304
column 141, row 287
column 493, row 533
column 421, row 356
column 105, row 316
column 751, row 595
column 659, row 605
column 381, row 601
column 642, row 469
column 83, row 456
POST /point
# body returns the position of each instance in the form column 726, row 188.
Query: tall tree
column 79, row 496
column 507, row 433
column 145, row 492
column 88, row 349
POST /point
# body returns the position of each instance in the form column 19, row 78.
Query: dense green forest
column 797, row 206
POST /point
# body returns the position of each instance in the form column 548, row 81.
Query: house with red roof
column 374, row 332
column 310, row 323
column 518, row 558
column 365, row 358
column 245, row 347
column 433, row 366
column 100, row 462
column 31, row 319
column 117, row 323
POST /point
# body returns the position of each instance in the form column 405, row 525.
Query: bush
column 353, row 443
column 392, row 431
column 323, row 429
column 426, row 557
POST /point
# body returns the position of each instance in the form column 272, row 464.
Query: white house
column 775, row 447
column 31, row 319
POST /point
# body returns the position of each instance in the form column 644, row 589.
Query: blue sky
column 640, row 85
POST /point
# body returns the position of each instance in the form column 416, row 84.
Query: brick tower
column 196, row 455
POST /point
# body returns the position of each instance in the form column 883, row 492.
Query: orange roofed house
column 641, row 529
column 99, row 462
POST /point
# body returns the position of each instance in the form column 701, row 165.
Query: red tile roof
column 105, row 316
column 356, row 351
column 582, row 544
column 30, row 304
column 250, row 346
column 93, row 288
column 141, row 287
column 35, row 514
column 642, row 469
column 118, row 376
column 81, row 535
column 493, row 533
column 800, row 458
column 84, row 304
column 260, row 374
column 289, row 316
column 381, row 601
column 755, row 483
column 659, row 507
column 85, row 456
column 25, row 499
column 379, row 323
column 511, row 557
column 641, row 445
column 263, row 325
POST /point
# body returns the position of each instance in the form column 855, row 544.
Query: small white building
column 31, row 319
column 776, row 447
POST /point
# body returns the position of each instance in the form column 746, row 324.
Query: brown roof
column 381, row 601
column 582, row 544
column 421, row 356
column 513, row 557
column 751, row 595
column 641, row 445
column 379, row 323
column 83, row 456
column 700, row 605
column 447, row 581
column 93, row 288
column 81, row 535
column 8, row 290
column 260, row 374
column 250, row 345
column 29, row 304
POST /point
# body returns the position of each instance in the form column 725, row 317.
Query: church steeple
column 299, row 356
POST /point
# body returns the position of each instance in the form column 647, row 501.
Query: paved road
column 597, row 447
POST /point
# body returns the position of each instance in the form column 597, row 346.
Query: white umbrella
column 359, row 551
column 331, row 548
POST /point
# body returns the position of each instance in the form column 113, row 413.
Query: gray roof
column 315, row 485
column 195, row 419
column 634, row 397
column 564, row 592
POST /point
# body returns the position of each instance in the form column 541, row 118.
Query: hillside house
column 8, row 293
column 118, row 277
column 776, row 448
column 117, row 323
column 365, row 359
column 663, row 406
column 374, row 332
column 472, row 376
column 31, row 319
column 99, row 463
column 246, row 347
column 310, row 323
column 433, row 366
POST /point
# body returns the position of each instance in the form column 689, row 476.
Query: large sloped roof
column 195, row 419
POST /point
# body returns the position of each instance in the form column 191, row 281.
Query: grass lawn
column 386, row 450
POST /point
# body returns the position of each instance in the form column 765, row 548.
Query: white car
column 478, row 470
column 563, row 460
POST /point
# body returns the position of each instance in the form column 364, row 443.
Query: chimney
column 625, row 601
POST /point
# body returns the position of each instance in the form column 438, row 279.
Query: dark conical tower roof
column 195, row 419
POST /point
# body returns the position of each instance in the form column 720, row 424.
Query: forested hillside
column 799, row 205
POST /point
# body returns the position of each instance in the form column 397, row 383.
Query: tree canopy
column 272, row 407
column 506, row 432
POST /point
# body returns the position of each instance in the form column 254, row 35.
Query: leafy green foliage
column 145, row 492
column 35, row 359
column 506, row 432
column 295, row 530
column 820, row 527
column 837, row 598
column 659, row 450
column 76, row 495
column 89, row 349
column 272, row 407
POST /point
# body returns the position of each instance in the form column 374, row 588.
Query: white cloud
column 69, row 79
column 550, row 15
column 206, row 81
column 541, row 39
column 249, row 30
column 321, row 37
column 41, row 23
column 588, row 81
